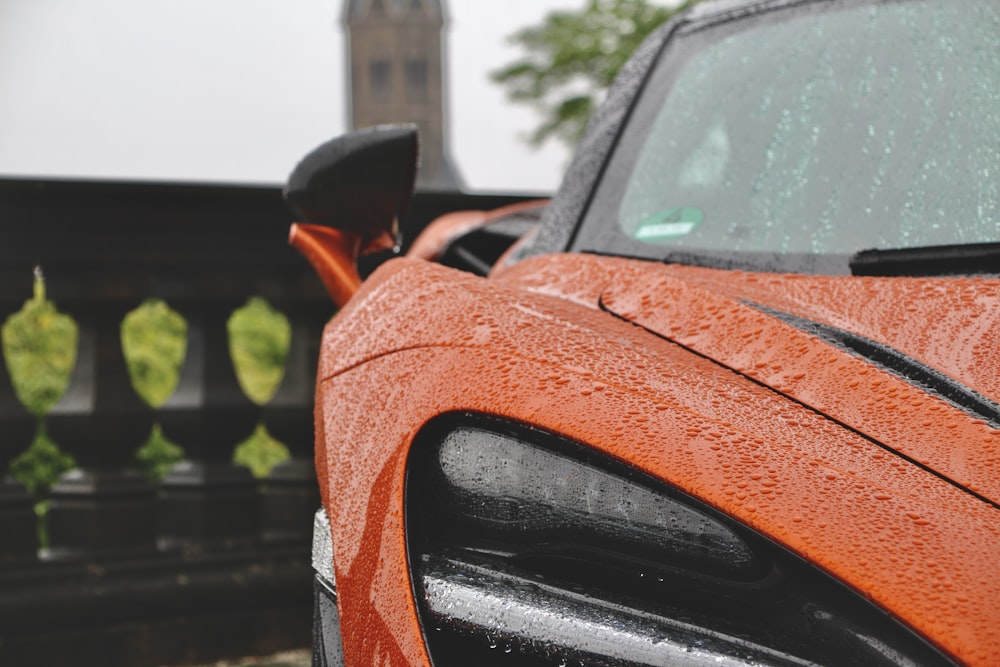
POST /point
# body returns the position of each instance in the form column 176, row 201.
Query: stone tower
column 396, row 70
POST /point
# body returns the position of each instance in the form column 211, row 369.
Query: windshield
column 810, row 133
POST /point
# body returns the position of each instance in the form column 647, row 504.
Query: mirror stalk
column 333, row 254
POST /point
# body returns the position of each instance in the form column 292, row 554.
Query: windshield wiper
column 944, row 260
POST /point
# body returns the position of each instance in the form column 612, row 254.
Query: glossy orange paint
column 833, row 381
column 535, row 345
column 963, row 343
column 334, row 253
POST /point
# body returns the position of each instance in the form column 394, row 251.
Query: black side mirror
column 348, row 194
column 358, row 182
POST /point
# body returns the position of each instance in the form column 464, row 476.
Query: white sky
column 234, row 91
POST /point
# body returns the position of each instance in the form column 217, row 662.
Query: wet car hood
column 711, row 382
column 909, row 363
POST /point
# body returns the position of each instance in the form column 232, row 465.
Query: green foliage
column 39, row 466
column 260, row 452
column 258, row 342
column 157, row 455
column 572, row 58
column 154, row 339
column 39, row 346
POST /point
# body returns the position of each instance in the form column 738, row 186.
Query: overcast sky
column 234, row 90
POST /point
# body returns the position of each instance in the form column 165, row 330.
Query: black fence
column 209, row 561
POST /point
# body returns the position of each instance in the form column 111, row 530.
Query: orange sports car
column 731, row 397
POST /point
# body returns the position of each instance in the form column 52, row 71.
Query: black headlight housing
column 521, row 541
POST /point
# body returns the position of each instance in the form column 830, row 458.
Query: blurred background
column 237, row 92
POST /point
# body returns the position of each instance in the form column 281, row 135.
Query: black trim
column 950, row 260
column 807, row 263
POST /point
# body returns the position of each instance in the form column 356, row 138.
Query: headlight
column 521, row 541
column 522, row 494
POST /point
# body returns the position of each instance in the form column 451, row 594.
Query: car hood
column 909, row 363
column 709, row 381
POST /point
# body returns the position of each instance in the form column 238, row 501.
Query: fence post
column 206, row 501
column 289, row 494
column 104, row 507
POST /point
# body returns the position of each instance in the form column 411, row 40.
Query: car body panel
column 884, row 406
column 534, row 345
column 964, row 342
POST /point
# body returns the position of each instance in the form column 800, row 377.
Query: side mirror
column 347, row 194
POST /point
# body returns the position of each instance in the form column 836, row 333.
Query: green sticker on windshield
column 669, row 224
